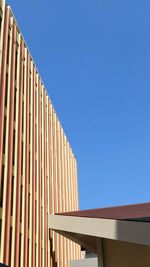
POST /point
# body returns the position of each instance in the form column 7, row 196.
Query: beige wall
column 121, row 254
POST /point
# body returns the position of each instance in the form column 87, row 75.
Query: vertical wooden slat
column 69, row 194
column 24, row 144
column 51, row 204
column 62, row 243
column 54, row 249
column 4, row 163
column 77, row 204
column 66, row 193
column 10, row 155
column 33, row 171
column 55, row 185
column 59, row 187
column 45, row 183
column 43, row 176
column 36, row 168
column 15, row 151
column 19, row 148
column 30, row 163
column 39, row 171
column 3, row 84
column 48, row 180
column 75, row 199
column 63, row 193
column 2, row 6
column 72, row 195
column 27, row 166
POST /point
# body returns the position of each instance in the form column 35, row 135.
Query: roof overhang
column 85, row 231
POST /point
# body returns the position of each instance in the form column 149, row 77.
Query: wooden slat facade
column 38, row 171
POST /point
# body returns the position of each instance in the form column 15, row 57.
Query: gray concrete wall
column 89, row 262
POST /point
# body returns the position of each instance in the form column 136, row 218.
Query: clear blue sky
column 94, row 59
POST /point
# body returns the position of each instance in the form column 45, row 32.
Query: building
column 38, row 171
column 120, row 236
column 40, row 224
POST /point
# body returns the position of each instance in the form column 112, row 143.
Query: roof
column 134, row 212
column 122, row 223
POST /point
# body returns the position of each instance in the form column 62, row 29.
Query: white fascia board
column 127, row 231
